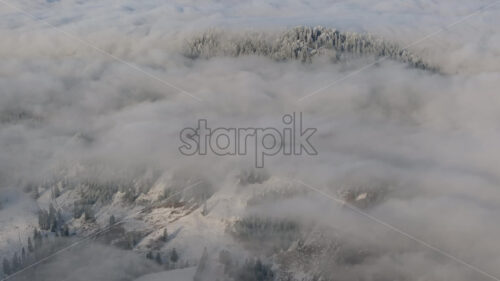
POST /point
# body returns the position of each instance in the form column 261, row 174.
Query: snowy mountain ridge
column 300, row 43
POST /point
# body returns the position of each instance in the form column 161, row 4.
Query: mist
column 421, row 140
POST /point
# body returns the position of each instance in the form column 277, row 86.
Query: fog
column 428, row 138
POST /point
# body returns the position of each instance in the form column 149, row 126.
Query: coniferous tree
column 202, row 265
column 16, row 263
column 6, row 267
column 53, row 227
column 166, row 264
column 253, row 270
column 164, row 236
column 89, row 214
column 35, row 193
column 226, row 259
column 59, row 217
column 52, row 213
column 23, row 256
column 174, row 257
column 56, row 192
column 30, row 245
column 158, row 259
column 112, row 220
column 77, row 210
column 65, row 230
column 43, row 220
column 37, row 236
column 204, row 212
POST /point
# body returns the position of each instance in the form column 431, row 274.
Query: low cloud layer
column 430, row 138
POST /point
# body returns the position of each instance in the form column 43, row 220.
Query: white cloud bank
column 434, row 138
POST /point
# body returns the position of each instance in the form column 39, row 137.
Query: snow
column 185, row 274
column 361, row 196
column 18, row 215
column 190, row 231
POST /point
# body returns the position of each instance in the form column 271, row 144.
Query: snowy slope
column 185, row 274
column 18, row 216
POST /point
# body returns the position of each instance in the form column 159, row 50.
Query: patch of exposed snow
column 18, row 215
column 362, row 196
column 185, row 274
